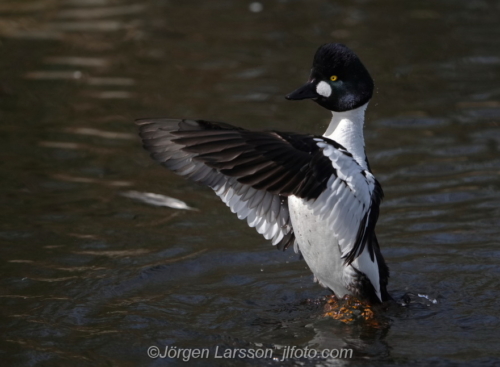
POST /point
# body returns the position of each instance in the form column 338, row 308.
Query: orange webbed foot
column 350, row 309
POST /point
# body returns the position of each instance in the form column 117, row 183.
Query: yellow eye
column 333, row 78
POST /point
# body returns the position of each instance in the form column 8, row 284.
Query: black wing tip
column 185, row 124
column 149, row 126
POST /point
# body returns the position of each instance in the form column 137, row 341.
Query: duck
column 315, row 193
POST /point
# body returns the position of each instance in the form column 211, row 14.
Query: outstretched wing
column 255, row 172
column 252, row 172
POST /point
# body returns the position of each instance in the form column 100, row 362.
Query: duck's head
column 338, row 81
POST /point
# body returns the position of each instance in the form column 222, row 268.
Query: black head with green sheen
column 338, row 81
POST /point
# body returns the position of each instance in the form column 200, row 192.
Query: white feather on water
column 157, row 199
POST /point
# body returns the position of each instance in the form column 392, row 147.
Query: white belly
column 319, row 247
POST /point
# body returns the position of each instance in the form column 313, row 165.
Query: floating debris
column 157, row 199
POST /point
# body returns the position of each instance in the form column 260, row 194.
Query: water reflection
column 100, row 133
column 112, row 94
column 365, row 343
column 111, row 81
column 78, row 61
column 68, row 178
column 102, row 12
column 54, row 75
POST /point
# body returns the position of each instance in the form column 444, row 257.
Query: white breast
column 326, row 229
column 318, row 246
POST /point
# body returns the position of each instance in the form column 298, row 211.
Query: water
column 93, row 277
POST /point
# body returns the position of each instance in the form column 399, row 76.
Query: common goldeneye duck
column 315, row 192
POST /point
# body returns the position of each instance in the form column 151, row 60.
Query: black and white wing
column 252, row 172
column 255, row 172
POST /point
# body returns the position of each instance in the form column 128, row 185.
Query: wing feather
column 254, row 173
column 168, row 143
column 350, row 203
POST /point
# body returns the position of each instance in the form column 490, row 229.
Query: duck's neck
column 346, row 128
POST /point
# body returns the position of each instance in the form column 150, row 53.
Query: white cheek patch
column 324, row 89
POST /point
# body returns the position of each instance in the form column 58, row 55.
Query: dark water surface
column 91, row 277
